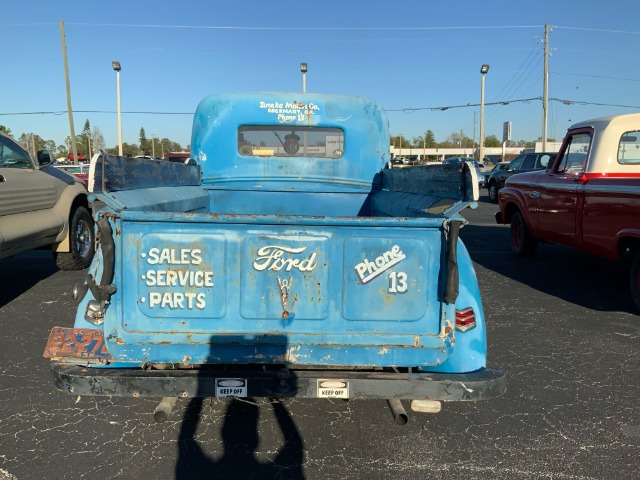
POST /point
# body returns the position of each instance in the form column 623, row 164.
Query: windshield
column 290, row 141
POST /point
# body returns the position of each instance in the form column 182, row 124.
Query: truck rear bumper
column 302, row 383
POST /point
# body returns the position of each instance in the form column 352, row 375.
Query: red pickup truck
column 588, row 199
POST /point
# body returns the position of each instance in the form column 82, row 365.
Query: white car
column 43, row 206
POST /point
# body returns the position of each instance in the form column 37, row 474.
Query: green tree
column 83, row 140
column 145, row 144
column 128, row 150
column 61, row 152
column 430, row 139
column 166, row 145
column 5, row 130
column 492, row 141
column 459, row 139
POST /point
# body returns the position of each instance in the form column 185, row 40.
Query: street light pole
column 303, row 69
column 483, row 70
column 117, row 68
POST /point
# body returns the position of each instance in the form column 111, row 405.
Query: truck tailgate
column 204, row 288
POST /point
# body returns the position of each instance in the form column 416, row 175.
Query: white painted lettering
column 173, row 256
column 270, row 257
column 367, row 270
column 154, row 299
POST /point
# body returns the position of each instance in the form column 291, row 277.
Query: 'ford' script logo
column 271, row 257
column 368, row 270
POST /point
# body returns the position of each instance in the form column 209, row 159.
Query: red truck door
column 560, row 194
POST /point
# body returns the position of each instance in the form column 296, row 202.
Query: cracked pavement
column 561, row 324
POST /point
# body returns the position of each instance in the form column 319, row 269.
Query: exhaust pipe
column 398, row 411
column 163, row 410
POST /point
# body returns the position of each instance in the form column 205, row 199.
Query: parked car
column 178, row 157
column 498, row 166
column 527, row 162
column 479, row 167
column 43, row 206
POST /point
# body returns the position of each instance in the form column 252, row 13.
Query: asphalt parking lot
column 561, row 324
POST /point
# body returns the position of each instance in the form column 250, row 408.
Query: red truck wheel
column 634, row 280
column 522, row 242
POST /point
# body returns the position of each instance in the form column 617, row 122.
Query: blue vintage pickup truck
column 287, row 259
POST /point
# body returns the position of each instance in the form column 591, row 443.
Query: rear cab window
column 629, row 148
column 290, row 141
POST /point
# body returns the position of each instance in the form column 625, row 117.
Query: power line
column 63, row 112
column 597, row 30
column 518, row 69
column 508, row 102
column 408, row 110
column 306, row 28
column 597, row 76
column 517, row 88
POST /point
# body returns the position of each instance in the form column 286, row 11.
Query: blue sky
column 410, row 56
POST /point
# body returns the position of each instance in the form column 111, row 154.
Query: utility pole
column 474, row 131
column 74, row 149
column 545, row 88
column 424, row 146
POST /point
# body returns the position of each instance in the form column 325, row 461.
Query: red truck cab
column 588, row 199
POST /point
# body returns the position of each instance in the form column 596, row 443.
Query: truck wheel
column 82, row 242
column 634, row 280
column 493, row 192
column 522, row 242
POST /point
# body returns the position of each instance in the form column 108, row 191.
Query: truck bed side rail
column 110, row 173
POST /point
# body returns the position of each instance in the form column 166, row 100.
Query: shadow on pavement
column 240, row 434
column 573, row 276
column 18, row 274
column 240, row 439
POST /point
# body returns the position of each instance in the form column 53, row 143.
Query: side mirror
column 44, row 158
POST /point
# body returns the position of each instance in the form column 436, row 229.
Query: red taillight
column 465, row 319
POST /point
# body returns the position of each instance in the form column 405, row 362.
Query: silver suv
column 42, row 206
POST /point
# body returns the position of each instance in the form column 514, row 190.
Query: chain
column 285, row 287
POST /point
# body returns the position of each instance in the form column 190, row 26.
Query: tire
column 634, row 280
column 82, row 242
column 522, row 242
column 493, row 192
